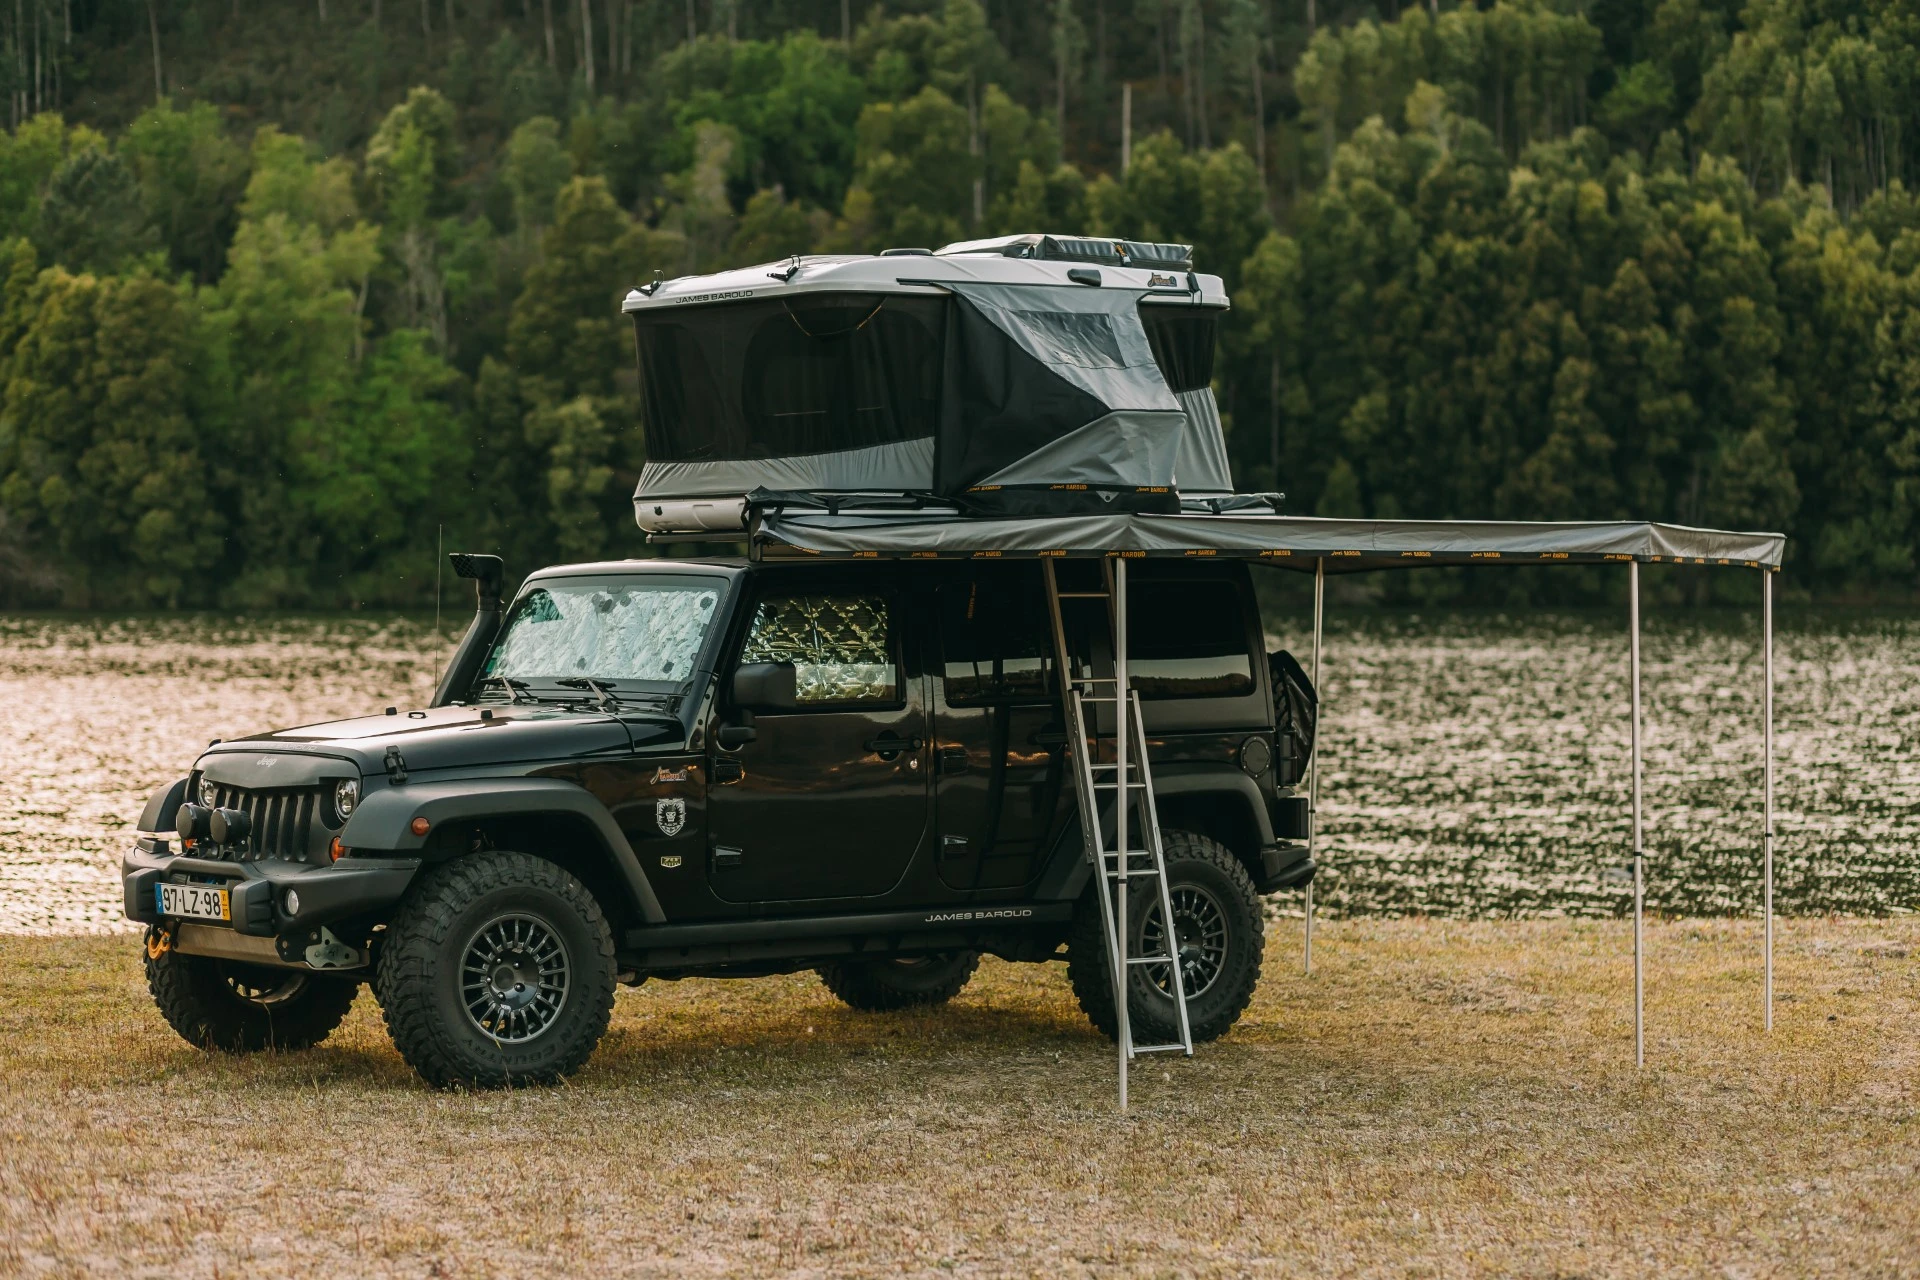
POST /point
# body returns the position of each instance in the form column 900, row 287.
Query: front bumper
column 342, row 890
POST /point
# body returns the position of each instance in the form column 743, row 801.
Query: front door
column 1002, row 793
column 830, row 798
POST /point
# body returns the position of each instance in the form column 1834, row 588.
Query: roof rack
column 1096, row 249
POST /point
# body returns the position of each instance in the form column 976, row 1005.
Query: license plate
column 196, row 901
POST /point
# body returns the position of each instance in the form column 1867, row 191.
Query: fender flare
column 384, row 820
column 163, row 806
column 1067, row 871
column 1218, row 780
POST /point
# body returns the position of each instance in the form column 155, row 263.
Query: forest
column 298, row 291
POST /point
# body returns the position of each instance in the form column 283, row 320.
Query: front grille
column 283, row 819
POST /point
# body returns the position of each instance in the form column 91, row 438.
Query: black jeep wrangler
column 721, row 768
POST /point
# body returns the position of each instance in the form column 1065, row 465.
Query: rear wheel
column 497, row 970
column 245, row 1008
column 1220, row 931
column 879, row 985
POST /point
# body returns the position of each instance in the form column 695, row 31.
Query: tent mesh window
column 837, row 644
column 818, row 373
column 1182, row 342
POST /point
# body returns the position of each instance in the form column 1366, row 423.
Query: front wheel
column 878, row 986
column 246, row 1008
column 498, row 970
column 1220, row 934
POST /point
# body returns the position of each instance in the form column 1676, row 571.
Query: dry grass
column 1438, row 1099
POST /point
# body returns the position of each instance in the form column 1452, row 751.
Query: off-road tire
column 876, row 986
column 246, row 1008
column 450, row 912
column 1202, row 864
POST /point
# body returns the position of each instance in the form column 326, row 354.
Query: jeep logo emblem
column 670, row 815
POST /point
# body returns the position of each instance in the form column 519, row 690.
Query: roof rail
column 1049, row 248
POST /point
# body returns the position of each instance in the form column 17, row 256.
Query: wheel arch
column 548, row 818
column 1222, row 804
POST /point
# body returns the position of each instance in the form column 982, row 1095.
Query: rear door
column 830, row 800
column 1001, row 790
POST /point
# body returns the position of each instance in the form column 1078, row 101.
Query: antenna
column 439, row 571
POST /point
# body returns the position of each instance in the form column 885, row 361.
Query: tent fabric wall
column 1200, row 468
column 1031, row 370
column 1344, row 546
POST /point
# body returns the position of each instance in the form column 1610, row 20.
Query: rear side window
column 995, row 640
column 1188, row 640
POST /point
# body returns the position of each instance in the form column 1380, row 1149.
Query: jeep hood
column 457, row 737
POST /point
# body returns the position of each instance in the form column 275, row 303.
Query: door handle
column 1048, row 738
column 888, row 746
column 952, row 760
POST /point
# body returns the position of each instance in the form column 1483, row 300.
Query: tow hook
column 159, row 939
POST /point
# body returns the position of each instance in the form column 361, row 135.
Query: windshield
column 636, row 634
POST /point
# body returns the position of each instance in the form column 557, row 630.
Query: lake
column 1475, row 763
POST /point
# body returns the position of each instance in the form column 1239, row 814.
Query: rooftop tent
column 979, row 376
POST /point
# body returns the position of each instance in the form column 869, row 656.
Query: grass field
column 1439, row 1099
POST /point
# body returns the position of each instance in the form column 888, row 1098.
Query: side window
column 994, row 640
column 1188, row 640
column 840, row 646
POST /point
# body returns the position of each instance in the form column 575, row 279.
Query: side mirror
column 764, row 686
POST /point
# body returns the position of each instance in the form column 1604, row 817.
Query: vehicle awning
column 1301, row 542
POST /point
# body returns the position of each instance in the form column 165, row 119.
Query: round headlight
column 346, row 794
column 209, row 794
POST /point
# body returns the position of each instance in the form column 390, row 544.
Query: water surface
column 1475, row 763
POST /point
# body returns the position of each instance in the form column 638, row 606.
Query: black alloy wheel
column 496, row 971
column 246, row 1008
column 1220, row 931
column 878, row 986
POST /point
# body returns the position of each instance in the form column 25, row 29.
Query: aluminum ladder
column 1128, row 779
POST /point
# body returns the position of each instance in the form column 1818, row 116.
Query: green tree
column 191, row 179
column 99, row 460
column 91, row 217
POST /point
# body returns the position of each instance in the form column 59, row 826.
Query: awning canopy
column 1302, row 542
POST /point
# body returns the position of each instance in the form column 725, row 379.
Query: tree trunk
column 1273, row 414
column 1126, row 127
column 846, row 21
column 546, row 17
column 1311, row 24
column 973, row 149
column 586, row 37
column 153, row 30
column 1259, row 121
column 693, row 32
column 323, row 10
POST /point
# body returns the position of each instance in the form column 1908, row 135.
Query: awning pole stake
column 1313, row 766
column 1639, row 857
column 1766, row 778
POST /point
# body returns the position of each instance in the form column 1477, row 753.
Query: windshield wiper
column 514, row 688
column 604, row 696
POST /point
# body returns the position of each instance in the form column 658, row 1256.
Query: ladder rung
column 1083, row 595
column 1115, row 786
column 1161, row 1048
column 1149, row 959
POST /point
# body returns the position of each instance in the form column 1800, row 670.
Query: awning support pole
column 1313, row 767
column 1766, row 777
column 1639, row 858
column 1117, row 590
